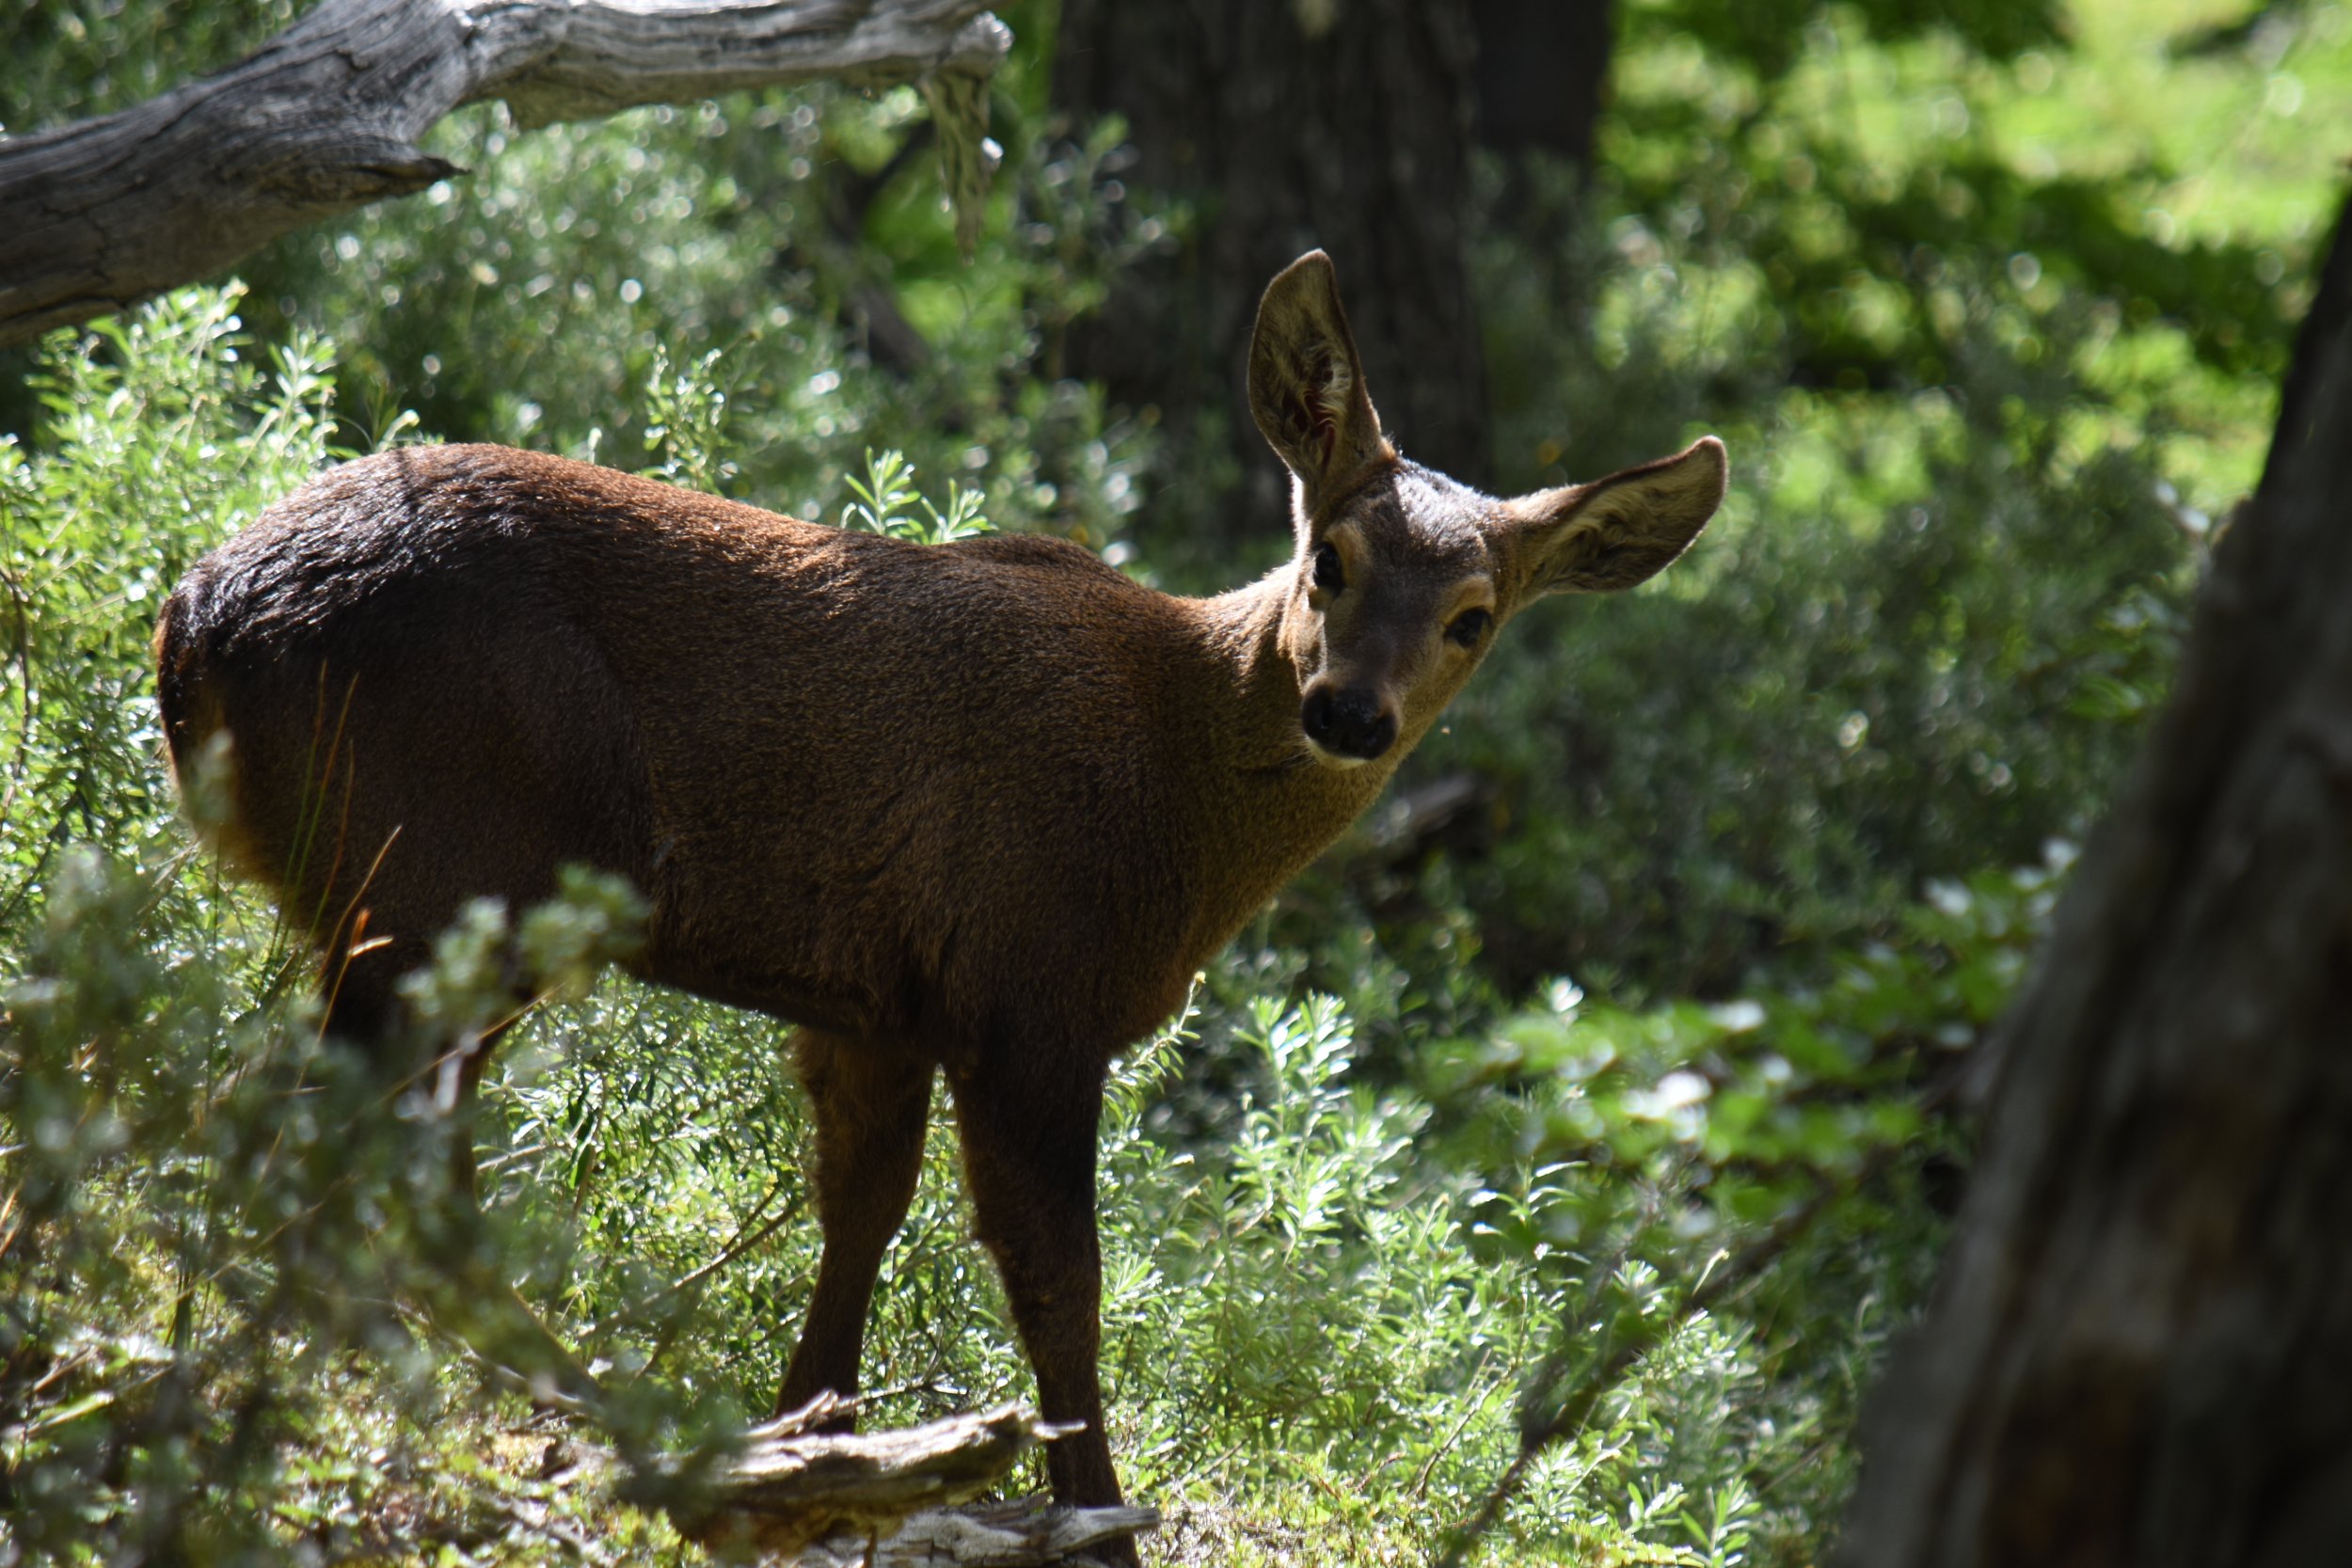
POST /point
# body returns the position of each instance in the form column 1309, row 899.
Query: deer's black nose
column 1348, row 721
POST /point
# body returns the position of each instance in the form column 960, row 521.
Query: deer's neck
column 1268, row 806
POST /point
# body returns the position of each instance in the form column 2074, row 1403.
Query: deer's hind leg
column 481, row 1308
column 872, row 1105
column 385, row 835
column 1029, row 1128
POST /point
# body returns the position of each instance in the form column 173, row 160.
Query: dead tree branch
column 326, row 116
column 828, row 1500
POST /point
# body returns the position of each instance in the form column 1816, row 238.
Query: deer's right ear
column 1305, row 383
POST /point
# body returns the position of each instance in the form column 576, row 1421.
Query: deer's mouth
column 1327, row 757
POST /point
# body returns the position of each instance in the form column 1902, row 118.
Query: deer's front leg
column 1028, row 1159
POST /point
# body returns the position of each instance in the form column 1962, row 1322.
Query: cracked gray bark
column 2137, row 1352
column 326, row 116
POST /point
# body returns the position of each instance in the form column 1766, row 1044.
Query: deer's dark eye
column 1328, row 574
column 1468, row 626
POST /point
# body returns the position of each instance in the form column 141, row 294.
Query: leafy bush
column 158, row 439
column 208, row 1210
column 232, row 1247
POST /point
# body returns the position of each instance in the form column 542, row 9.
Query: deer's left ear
column 1613, row 532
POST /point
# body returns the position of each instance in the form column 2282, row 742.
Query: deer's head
column 1402, row 578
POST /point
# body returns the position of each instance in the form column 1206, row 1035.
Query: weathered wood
column 326, row 116
column 1033, row 1533
column 790, row 1488
column 2136, row 1351
column 830, row 1499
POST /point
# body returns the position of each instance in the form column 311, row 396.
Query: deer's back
column 896, row 790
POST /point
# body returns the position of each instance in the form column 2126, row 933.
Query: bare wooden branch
column 326, row 116
column 1032, row 1533
column 832, row 1498
column 787, row 1492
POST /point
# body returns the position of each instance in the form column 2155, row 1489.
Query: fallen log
column 883, row 1500
column 1030, row 1533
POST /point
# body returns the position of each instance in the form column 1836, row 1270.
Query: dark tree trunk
column 2138, row 1354
column 1287, row 124
column 1542, row 75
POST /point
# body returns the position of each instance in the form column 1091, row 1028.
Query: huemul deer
column 981, row 808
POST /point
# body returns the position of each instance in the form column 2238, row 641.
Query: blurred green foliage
column 1989, row 300
column 1988, row 390
column 68, row 61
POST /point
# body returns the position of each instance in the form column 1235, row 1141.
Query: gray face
column 1397, row 602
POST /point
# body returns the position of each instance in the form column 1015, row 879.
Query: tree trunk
column 2137, row 1351
column 1542, row 75
column 326, row 118
column 1541, row 82
column 1287, row 124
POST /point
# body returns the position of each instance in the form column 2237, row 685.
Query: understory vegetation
column 1565, row 1145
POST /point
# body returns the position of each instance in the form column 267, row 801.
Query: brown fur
column 981, row 808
